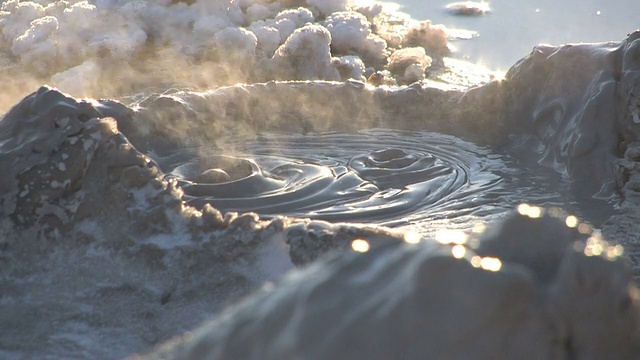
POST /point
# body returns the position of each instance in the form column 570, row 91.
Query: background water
column 513, row 27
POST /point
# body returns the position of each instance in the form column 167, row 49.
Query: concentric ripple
column 384, row 176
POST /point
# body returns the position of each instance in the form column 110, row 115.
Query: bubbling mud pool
column 409, row 179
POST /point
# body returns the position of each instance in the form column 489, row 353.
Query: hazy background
column 515, row 26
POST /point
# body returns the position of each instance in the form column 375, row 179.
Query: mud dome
column 113, row 240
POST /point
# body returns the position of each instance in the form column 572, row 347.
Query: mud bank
column 553, row 301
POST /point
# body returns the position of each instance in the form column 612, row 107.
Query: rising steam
column 112, row 48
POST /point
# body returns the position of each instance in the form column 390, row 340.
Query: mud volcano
column 312, row 211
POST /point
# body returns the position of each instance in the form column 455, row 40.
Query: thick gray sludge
column 110, row 246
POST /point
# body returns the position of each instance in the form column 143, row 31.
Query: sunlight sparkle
column 360, row 245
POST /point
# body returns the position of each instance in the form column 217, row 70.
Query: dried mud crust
column 73, row 45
